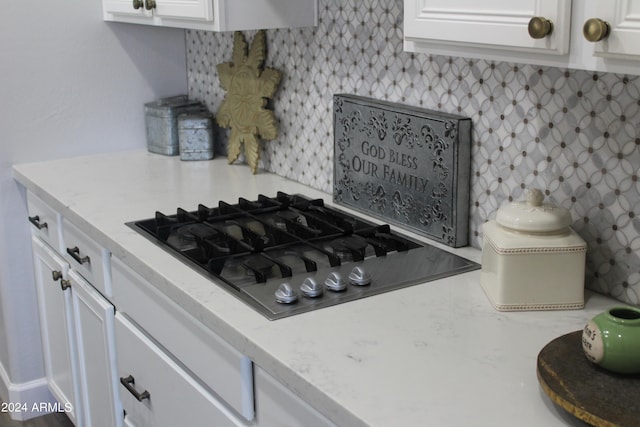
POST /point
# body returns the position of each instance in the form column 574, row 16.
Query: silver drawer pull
column 128, row 383
column 75, row 254
column 35, row 220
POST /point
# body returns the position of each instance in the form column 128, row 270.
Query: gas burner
column 258, row 266
column 194, row 232
column 349, row 248
column 282, row 218
column 186, row 237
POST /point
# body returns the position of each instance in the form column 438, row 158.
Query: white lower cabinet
column 76, row 320
column 157, row 392
column 118, row 352
column 277, row 406
column 226, row 371
column 94, row 321
column 57, row 328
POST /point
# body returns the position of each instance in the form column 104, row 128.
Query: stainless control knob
column 285, row 294
column 335, row 282
column 359, row 277
column 310, row 288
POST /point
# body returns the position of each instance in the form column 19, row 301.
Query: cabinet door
column 191, row 9
column 56, row 323
column 623, row 40
column 500, row 24
column 125, row 8
column 155, row 391
column 94, row 319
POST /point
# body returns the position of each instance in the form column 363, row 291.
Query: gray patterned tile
column 574, row 134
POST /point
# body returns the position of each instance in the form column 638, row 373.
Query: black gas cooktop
column 289, row 254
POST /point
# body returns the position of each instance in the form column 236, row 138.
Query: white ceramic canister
column 532, row 259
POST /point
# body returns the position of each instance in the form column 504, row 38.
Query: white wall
column 70, row 84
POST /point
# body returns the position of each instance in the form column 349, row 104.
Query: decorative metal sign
column 407, row 165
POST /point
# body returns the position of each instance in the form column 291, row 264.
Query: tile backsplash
column 572, row 133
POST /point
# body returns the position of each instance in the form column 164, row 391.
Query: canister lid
column 534, row 215
column 172, row 106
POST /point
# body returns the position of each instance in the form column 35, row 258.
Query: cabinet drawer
column 155, row 391
column 221, row 367
column 278, row 406
column 87, row 257
column 45, row 222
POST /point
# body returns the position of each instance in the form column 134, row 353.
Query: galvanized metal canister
column 161, row 119
column 195, row 135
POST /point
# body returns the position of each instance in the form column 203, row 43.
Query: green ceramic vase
column 612, row 340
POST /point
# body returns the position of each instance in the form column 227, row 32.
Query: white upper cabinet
column 598, row 35
column 146, row 10
column 214, row 15
column 620, row 33
column 190, row 9
column 500, row 24
column 126, row 10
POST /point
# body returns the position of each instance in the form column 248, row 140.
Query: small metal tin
column 161, row 123
column 195, row 136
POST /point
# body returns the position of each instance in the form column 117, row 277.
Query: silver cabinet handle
column 35, row 220
column 128, row 383
column 75, row 254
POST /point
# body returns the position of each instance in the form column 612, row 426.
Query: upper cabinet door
column 622, row 19
column 497, row 24
column 193, row 9
column 132, row 8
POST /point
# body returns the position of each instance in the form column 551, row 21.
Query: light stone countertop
column 435, row 354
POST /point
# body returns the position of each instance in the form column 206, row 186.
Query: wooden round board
column 590, row 393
